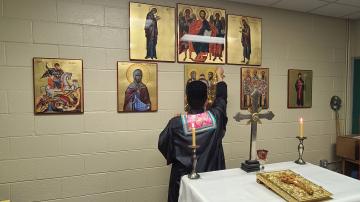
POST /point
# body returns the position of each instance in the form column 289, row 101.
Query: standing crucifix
column 254, row 117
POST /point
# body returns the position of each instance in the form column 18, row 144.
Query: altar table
column 234, row 185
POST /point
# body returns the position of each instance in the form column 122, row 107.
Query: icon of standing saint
column 300, row 88
column 137, row 87
column 151, row 36
column 244, row 37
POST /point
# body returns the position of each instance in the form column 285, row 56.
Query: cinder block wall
column 102, row 155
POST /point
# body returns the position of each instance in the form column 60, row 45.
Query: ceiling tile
column 349, row 2
column 257, row 2
column 299, row 5
column 335, row 10
column 330, row 1
column 354, row 16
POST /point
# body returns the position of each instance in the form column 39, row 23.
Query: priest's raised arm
column 219, row 106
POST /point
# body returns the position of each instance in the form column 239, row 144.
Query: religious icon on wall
column 300, row 88
column 204, row 73
column 201, row 34
column 58, row 86
column 243, row 40
column 152, row 32
column 251, row 79
column 137, row 87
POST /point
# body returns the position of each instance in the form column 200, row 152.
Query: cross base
column 250, row 166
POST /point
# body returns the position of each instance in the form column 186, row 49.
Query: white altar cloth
column 234, row 185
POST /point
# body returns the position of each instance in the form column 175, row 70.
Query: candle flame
column 193, row 125
column 301, row 120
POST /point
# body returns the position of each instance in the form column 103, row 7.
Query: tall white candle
column 193, row 135
column 301, row 127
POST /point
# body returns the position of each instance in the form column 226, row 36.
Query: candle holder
column 194, row 175
column 300, row 150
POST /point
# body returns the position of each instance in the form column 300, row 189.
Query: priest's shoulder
column 175, row 121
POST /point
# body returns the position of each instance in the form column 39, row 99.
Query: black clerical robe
column 175, row 138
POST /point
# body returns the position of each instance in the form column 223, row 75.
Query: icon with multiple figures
column 204, row 73
column 58, row 86
column 137, row 87
column 151, row 32
column 201, row 34
column 251, row 79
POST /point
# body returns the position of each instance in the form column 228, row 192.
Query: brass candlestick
column 300, row 150
column 194, row 175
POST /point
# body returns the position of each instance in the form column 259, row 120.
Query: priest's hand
column 220, row 74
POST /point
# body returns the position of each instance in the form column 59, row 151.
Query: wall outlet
column 324, row 163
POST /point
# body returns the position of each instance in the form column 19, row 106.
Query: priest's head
column 196, row 95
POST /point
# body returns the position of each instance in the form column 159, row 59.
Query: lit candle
column 301, row 127
column 193, row 135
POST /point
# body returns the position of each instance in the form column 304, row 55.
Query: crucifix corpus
column 254, row 117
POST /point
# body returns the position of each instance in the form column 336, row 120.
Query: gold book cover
column 292, row 186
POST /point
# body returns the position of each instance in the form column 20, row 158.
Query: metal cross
column 254, row 118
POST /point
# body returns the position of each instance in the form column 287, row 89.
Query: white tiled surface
column 350, row 2
column 336, row 10
column 333, row 8
column 303, row 5
column 106, row 156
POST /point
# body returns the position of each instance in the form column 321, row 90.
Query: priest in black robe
column 210, row 126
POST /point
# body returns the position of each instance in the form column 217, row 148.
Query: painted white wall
column 106, row 156
column 355, row 38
